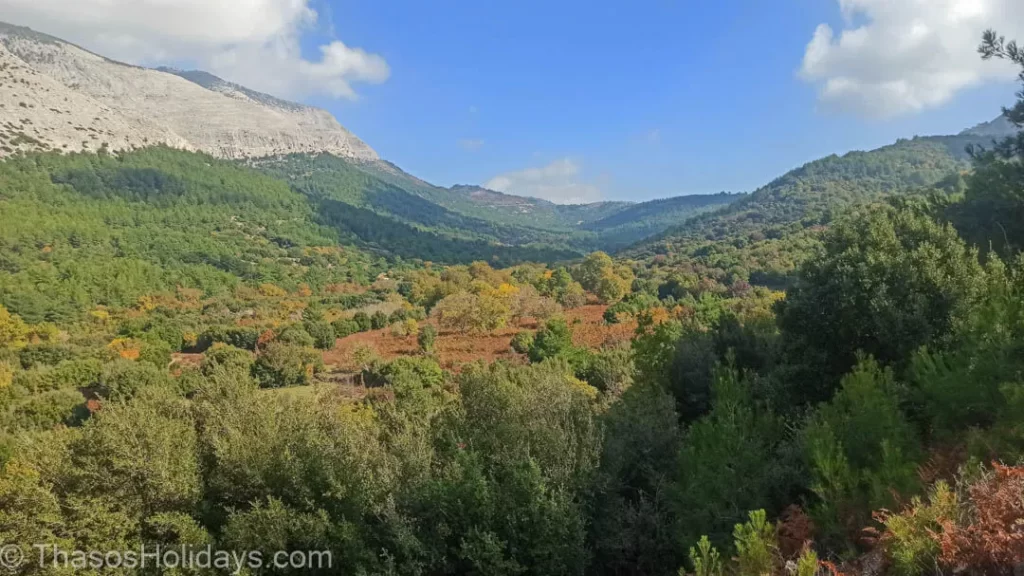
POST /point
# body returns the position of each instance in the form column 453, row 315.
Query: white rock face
column 57, row 96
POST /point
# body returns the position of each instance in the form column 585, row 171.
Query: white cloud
column 907, row 55
column 559, row 182
column 471, row 144
column 252, row 42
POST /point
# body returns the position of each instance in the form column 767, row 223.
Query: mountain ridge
column 59, row 96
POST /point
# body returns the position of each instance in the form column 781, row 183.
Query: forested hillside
column 825, row 378
column 471, row 212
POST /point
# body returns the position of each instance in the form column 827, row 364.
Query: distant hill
column 814, row 193
column 638, row 221
column 1001, row 127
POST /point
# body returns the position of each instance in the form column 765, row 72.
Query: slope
column 60, row 96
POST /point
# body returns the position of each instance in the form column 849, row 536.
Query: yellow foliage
column 6, row 375
column 13, row 330
column 506, row 290
column 271, row 291
column 100, row 314
column 147, row 303
column 304, row 291
column 126, row 348
column 45, row 332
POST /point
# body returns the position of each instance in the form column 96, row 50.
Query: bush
column 228, row 358
column 123, row 379
column 522, row 342
column 705, row 559
column 362, row 320
column 281, row 364
column 427, row 338
column 296, row 335
column 405, row 328
column 47, row 354
column 379, row 320
column 345, row 327
column 237, row 336
column 553, row 340
column 49, row 409
column 909, row 537
column 77, row 374
column 156, row 352
column 862, row 452
column 573, row 296
column 609, row 371
column 756, row 551
column 322, row 333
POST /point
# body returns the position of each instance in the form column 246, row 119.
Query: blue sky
column 649, row 99
column 577, row 100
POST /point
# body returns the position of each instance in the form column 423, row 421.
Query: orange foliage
column 794, row 532
column 126, row 348
column 264, row 338
column 992, row 541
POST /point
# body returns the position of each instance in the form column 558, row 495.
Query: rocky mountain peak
column 55, row 95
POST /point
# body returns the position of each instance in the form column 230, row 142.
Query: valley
column 226, row 321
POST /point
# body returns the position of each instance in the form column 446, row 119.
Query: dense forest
column 825, row 377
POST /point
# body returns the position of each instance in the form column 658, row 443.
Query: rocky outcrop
column 57, row 96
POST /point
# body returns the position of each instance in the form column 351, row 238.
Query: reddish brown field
column 455, row 349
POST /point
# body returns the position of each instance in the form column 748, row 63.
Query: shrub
column 405, row 328
column 237, row 336
column 77, row 374
column 909, row 537
column 426, row 338
column 552, row 340
column 362, row 320
column 345, row 327
column 50, row 409
column 296, row 335
column 322, row 333
column 47, row 354
column 756, row 551
column 397, row 316
column 989, row 539
column 705, row 559
column 573, row 296
column 609, row 371
column 378, row 320
column 6, row 375
column 123, row 379
column 281, row 364
column 522, row 342
column 228, row 358
column 156, row 352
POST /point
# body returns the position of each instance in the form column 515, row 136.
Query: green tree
column 322, row 333
column 887, row 282
column 362, row 319
column 552, row 340
column 426, row 338
column 992, row 213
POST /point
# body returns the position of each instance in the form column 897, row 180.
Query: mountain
column 57, row 96
column 1001, row 127
column 765, row 235
column 635, row 222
